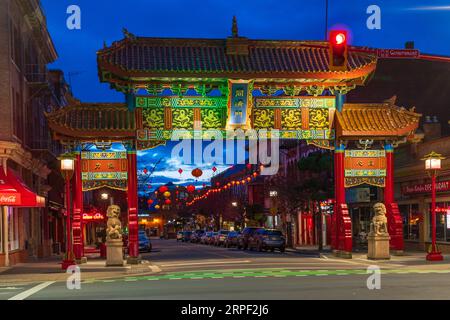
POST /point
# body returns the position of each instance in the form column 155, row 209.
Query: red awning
column 14, row 193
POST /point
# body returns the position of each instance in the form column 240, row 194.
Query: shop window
column 412, row 220
column 13, row 225
column 442, row 221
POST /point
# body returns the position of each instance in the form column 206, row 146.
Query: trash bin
column 102, row 250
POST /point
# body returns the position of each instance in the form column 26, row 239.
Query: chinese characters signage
column 239, row 101
column 104, row 169
column 365, row 166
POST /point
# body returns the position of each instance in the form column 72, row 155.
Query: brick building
column 27, row 153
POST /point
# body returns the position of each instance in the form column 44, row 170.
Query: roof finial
column 234, row 28
column 128, row 34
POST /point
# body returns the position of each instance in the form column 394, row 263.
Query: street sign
column 398, row 53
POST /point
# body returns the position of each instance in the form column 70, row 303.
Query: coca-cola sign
column 441, row 186
column 7, row 199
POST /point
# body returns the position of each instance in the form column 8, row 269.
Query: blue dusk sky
column 427, row 23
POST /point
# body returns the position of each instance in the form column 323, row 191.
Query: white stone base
column 378, row 247
column 114, row 252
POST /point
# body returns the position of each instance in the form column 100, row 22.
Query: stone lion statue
column 113, row 226
column 379, row 222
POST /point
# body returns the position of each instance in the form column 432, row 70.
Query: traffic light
column 338, row 50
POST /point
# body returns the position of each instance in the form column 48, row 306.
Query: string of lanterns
column 224, row 187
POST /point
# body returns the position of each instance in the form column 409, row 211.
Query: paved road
column 188, row 271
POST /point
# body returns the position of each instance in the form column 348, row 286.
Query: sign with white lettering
column 441, row 186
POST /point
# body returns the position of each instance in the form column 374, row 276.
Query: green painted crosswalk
column 261, row 273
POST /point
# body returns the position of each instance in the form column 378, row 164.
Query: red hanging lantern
column 249, row 166
column 145, row 171
column 163, row 189
column 168, row 201
column 190, row 188
column 255, row 174
column 218, row 184
column 180, row 171
column 149, row 201
column 197, row 173
column 149, row 186
column 214, row 169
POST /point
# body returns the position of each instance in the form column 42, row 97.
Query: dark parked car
column 144, row 243
column 186, row 236
column 247, row 233
column 210, row 238
column 197, row 235
column 205, row 236
column 267, row 239
column 232, row 239
column 220, row 237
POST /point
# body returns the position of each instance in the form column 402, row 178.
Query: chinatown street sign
column 398, row 53
column 100, row 169
column 365, row 167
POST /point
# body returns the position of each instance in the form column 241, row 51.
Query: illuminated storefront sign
column 97, row 216
column 441, row 186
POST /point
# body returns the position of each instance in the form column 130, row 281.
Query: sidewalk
column 50, row 270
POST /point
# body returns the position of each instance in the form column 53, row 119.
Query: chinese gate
column 234, row 83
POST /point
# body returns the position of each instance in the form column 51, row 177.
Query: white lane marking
column 29, row 292
column 204, row 263
column 154, row 268
column 10, row 288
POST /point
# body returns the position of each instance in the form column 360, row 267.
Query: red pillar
column 342, row 225
column 395, row 224
column 133, row 245
column 77, row 225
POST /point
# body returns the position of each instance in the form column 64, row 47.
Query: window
column 442, row 221
column 13, row 225
column 412, row 220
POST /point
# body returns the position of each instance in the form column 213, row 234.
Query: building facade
column 28, row 155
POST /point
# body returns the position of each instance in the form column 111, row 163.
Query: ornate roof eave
column 139, row 76
column 357, row 125
column 119, row 123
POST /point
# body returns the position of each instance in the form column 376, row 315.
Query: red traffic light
column 340, row 38
column 338, row 50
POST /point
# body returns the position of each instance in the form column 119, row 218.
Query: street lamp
column 234, row 204
column 104, row 196
column 67, row 170
column 432, row 165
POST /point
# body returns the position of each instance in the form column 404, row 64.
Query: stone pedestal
column 378, row 247
column 114, row 252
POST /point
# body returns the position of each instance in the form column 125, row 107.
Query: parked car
column 247, row 233
column 179, row 235
column 220, row 237
column 267, row 239
column 186, row 236
column 232, row 239
column 197, row 235
column 212, row 238
column 145, row 244
column 205, row 236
